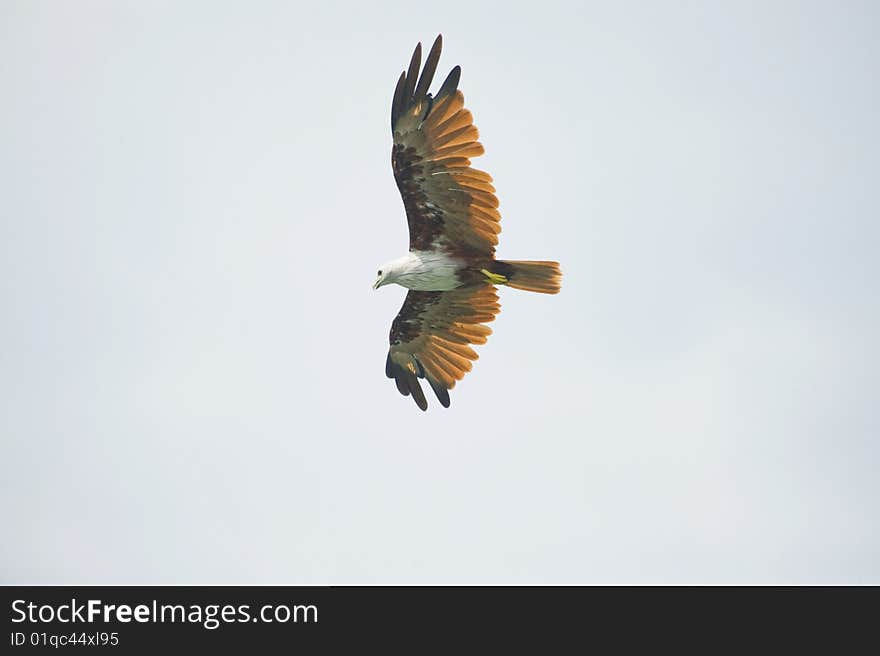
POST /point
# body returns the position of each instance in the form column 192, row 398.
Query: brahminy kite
column 453, row 218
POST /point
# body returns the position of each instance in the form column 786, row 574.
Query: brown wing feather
column 431, row 336
column 448, row 204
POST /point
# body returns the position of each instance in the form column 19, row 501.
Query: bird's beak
column 376, row 284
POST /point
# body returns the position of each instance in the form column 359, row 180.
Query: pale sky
column 196, row 198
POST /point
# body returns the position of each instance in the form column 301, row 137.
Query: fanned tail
column 530, row 275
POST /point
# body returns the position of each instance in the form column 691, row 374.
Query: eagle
column 452, row 213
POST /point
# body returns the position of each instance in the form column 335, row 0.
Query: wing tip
column 440, row 391
column 411, row 87
column 450, row 85
column 406, row 381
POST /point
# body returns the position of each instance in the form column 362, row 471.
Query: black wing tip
column 397, row 100
column 450, row 85
column 436, row 48
column 416, row 60
column 411, row 86
column 416, row 55
column 406, row 382
column 408, row 385
column 440, row 391
column 427, row 75
column 417, row 51
column 412, row 74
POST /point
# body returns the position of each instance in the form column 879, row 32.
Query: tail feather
column 531, row 276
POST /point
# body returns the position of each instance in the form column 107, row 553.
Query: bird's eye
column 379, row 272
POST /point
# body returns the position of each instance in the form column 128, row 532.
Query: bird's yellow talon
column 494, row 278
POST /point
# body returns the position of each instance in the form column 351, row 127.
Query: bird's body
column 453, row 219
column 425, row 271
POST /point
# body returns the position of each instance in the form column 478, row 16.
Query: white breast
column 430, row 271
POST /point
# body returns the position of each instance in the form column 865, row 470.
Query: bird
column 452, row 213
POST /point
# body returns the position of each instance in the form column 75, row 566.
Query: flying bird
column 453, row 219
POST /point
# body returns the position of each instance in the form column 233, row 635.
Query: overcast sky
column 196, row 197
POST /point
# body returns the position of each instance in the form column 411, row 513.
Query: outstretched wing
column 449, row 205
column 431, row 336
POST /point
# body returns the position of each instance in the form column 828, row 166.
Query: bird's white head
column 392, row 271
column 385, row 275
